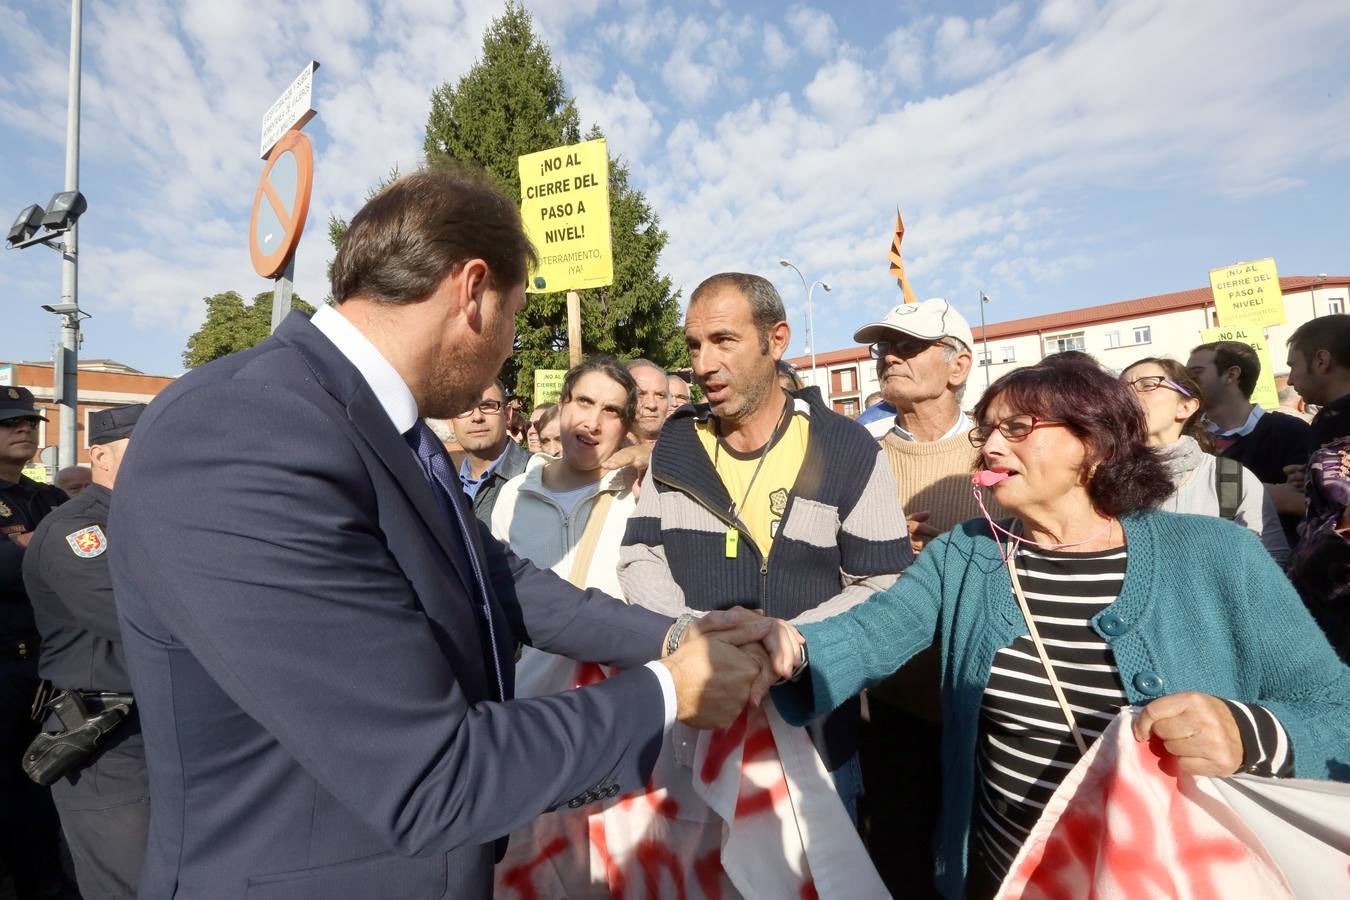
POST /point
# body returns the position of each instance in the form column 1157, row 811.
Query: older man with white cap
column 923, row 354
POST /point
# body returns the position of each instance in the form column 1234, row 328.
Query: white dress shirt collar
column 389, row 387
column 1242, row 430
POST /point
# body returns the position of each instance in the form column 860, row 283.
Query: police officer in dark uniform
column 29, row 830
column 104, row 800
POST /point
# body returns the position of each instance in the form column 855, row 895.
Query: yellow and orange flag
column 898, row 264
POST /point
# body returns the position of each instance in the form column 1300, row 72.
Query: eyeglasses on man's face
column 486, row 407
column 1014, row 428
column 1146, row 384
column 902, row 348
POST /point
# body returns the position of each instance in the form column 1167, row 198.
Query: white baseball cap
column 930, row 320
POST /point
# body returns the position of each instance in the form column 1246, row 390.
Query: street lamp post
column 36, row 225
column 70, row 321
column 810, row 319
column 984, row 336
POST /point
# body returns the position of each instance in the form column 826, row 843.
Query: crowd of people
column 359, row 624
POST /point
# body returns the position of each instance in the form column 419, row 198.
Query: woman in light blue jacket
column 1186, row 616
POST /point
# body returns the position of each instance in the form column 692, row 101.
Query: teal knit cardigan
column 1203, row 608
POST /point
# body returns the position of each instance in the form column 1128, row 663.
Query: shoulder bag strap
column 581, row 562
column 1228, row 486
column 1045, row 657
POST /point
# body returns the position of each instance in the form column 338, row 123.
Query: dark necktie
column 445, row 485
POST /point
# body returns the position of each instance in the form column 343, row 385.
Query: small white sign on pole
column 292, row 109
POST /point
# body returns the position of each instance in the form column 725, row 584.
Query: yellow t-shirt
column 763, row 508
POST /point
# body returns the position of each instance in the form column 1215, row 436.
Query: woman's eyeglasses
column 1146, row 384
column 1014, row 428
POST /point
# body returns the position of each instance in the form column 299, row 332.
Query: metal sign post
column 281, row 202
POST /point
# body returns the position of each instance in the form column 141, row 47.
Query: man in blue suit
column 320, row 636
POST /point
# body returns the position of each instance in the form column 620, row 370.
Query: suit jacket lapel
column 341, row 379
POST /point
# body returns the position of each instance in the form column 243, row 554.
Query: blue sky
column 1054, row 154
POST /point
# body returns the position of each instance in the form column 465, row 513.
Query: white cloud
column 638, row 36
column 844, row 93
column 777, row 53
column 905, row 56
column 964, row 49
column 688, row 79
column 628, row 122
column 1064, row 17
column 814, row 28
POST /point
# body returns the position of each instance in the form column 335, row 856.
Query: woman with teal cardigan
column 1185, row 616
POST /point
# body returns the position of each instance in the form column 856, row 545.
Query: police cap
column 17, row 403
column 107, row 425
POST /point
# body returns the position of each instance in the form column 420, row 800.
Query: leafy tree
column 514, row 101
column 233, row 324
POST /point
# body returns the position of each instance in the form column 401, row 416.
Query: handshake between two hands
column 729, row 658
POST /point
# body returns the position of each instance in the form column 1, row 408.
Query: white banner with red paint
column 1121, row 828
column 757, row 817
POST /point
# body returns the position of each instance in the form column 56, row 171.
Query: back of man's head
column 766, row 306
column 410, row 236
column 1235, row 354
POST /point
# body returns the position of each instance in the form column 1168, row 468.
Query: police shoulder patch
column 88, row 542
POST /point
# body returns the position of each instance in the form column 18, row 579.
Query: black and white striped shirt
column 1026, row 748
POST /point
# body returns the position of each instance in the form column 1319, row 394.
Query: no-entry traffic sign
column 281, row 204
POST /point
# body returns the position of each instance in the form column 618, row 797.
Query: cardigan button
column 1148, row 683
column 1111, row 624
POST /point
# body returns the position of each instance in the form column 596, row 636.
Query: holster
column 54, row 753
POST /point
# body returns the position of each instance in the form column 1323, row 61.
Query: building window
column 984, row 358
column 1059, row 343
column 844, row 381
column 1143, row 334
column 1335, row 306
column 847, row 407
column 1112, row 339
column 1008, row 353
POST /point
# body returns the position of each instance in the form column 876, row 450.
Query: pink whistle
column 987, row 478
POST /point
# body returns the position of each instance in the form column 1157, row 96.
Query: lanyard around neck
column 779, row 430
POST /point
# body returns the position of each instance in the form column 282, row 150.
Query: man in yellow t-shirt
column 760, row 497
column 759, row 482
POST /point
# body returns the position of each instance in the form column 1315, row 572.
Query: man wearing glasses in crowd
column 491, row 458
column 923, row 354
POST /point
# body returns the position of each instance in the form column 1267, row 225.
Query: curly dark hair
column 1126, row 474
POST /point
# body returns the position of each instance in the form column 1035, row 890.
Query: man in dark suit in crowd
column 320, row 634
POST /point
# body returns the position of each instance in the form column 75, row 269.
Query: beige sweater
column 934, row 477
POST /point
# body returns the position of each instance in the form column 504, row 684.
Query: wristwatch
column 677, row 632
column 801, row 666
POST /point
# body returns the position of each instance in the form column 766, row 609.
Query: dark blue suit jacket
column 315, row 689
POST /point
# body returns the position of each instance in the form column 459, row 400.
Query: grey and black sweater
column 842, row 536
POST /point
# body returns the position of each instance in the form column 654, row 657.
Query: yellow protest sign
column 548, row 385
column 36, row 471
column 1265, row 394
column 1248, row 293
column 565, row 206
